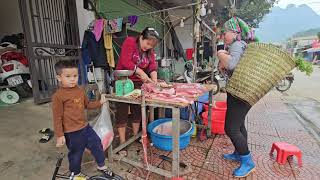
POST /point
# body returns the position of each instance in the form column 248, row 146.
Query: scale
column 123, row 84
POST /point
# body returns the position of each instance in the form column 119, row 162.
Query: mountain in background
column 280, row 24
column 310, row 32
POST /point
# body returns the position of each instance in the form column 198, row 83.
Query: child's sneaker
column 80, row 176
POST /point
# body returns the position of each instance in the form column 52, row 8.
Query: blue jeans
column 77, row 142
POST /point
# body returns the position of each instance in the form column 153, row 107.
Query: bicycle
column 109, row 176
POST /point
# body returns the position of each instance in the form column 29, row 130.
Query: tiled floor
column 268, row 121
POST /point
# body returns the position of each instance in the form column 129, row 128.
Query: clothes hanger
column 99, row 15
column 91, row 26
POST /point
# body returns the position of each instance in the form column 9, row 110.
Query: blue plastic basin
column 164, row 142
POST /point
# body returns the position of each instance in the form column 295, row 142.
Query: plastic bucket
column 217, row 105
column 217, row 120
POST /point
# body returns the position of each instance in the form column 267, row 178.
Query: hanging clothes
column 208, row 51
column 113, row 25
column 178, row 50
column 97, row 52
column 189, row 53
column 82, row 67
column 109, row 49
column 98, row 28
column 132, row 20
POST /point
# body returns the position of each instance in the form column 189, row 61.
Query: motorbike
column 14, row 72
column 205, row 77
column 285, row 83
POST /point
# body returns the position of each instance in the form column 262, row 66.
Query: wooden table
column 176, row 133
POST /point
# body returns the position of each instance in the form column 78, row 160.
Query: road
column 305, row 86
column 304, row 99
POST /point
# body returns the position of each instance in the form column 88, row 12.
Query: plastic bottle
column 194, row 134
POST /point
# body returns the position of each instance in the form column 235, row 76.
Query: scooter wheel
column 24, row 90
column 9, row 97
column 284, row 85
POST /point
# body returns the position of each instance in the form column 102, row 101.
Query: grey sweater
column 236, row 50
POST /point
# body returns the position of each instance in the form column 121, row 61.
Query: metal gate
column 52, row 34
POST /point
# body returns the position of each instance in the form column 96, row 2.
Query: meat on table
column 179, row 92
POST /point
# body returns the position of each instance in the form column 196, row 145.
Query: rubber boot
column 246, row 166
column 232, row 157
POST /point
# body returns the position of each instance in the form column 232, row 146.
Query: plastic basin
column 164, row 142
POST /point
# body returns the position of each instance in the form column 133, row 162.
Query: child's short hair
column 63, row 65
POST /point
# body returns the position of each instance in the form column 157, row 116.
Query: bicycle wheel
column 98, row 178
column 114, row 177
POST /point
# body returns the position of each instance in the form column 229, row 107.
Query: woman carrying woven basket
column 236, row 35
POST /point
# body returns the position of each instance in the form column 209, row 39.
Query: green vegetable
column 304, row 66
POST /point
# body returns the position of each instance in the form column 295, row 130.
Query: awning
column 312, row 50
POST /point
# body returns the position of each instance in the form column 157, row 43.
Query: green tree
column 318, row 35
column 253, row 11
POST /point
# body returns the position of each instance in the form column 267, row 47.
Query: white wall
column 10, row 17
column 84, row 18
column 184, row 33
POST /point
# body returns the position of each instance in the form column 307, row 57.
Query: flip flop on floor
column 45, row 130
column 123, row 153
column 138, row 141
column 46, row 138
column 106, row 172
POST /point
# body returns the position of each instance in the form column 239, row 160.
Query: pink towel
column 98, row 28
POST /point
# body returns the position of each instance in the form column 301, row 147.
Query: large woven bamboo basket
column 261, row 67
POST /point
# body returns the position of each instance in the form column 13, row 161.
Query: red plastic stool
column 284, row 150
column 177, row 178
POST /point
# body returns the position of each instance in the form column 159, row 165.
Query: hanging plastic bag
column 103, row 127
